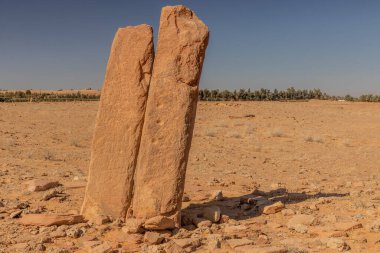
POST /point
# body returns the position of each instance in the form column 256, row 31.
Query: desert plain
column 318, row 158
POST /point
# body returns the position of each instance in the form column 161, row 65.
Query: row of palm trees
column 278, row 95
column 263, row 95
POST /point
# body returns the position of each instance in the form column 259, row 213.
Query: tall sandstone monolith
column 119, row 123
column 169, row 118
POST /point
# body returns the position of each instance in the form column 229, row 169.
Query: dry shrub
column 313, row 138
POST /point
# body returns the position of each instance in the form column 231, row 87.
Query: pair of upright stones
column 145, row 121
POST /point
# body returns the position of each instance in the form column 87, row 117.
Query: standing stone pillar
column 119, row 123
column 169, row 118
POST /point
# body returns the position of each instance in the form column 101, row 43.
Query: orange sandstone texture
column 50, row 219
column 169, row 117
column 119, row 123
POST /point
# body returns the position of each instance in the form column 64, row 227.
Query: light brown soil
column 327, row 150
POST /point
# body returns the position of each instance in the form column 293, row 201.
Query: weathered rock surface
column 50, row 219
column 153, row 238
column 191, row 243
column 159, row 223
column 275, row 208
column 170, row 115
column 119, row 123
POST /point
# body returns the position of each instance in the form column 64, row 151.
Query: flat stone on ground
column 50, row 219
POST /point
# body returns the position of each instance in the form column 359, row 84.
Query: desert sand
column 320, row 158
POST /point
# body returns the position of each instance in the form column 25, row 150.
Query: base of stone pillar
column 160, row 222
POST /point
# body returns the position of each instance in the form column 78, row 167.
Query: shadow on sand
column 252, row 205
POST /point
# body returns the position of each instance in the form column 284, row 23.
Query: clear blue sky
column 329, row 44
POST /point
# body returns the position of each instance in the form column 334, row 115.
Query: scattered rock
column 336, row 243
column 133, row 226
column 238, row 242
column 214, row 241
column 275, row 208
column 202, row 223
column 255, row 249
column 40, row 247
column 262, row 239
column 37, row 185
column 50, row 219
column 15, row 214
column 212, row 213
column 185, row 198
column 191, row 243
column 101, row 248
column 56, row 192
column 232, row 229
column 58, row 234
column 249, row 201
column 153, row 238
column 74, row 232
column 45, row 239
column 171, row 247
column 159, row 223
column 217, row 195
column 313, row 207
column 224, row 218
column 348, row 226
column 300, row 228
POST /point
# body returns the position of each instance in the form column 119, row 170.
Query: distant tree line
column 262, row 95
column 29, row 96
column 290, row 94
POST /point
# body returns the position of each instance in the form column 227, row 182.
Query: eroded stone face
column 170, row 115
column 119, row 123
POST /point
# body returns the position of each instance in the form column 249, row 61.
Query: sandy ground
column 319, row 158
